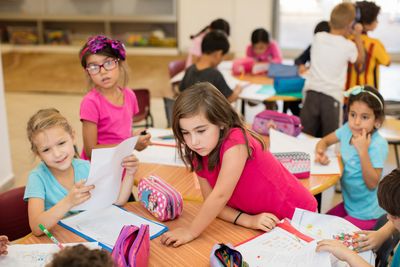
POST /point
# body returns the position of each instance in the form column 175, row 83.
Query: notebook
column 104, row 225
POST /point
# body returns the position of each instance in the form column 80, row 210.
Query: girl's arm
column 89, row 134
column 49, row 218
column 322, row 146
column 263, row 221
column 130, row 163
column 231, row 169
column 370, row 175
column 275, row 53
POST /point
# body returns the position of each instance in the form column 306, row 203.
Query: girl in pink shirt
column 241, row 181
column 262, row 49
column 107, row 109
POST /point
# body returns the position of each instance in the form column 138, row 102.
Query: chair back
column 169, row 106
column 143, row 98
column 176, row 66
column 14, row 221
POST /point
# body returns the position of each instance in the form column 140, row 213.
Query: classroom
column 47, row 61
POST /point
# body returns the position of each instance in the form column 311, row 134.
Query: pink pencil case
column 288, row 124
column 298, row 163
column 162, row 200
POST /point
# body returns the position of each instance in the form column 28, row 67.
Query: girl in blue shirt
column 363, row 152
column 56, row 185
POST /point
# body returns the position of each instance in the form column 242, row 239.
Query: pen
column 49, row 235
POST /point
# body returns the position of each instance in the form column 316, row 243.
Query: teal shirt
column 359, row 201
column 42, row 184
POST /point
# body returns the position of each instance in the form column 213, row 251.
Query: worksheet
column 167, row 155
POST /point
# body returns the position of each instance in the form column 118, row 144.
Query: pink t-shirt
column 265, row 185
column 271, row 55
column 114, row 123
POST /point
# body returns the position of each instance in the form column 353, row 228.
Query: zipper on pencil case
column 177, row 197
column 154, row 182
column 169, row 199
column 150, row 183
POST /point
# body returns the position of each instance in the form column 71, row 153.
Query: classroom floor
column 20, row 106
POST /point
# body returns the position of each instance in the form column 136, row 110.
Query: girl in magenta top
column 241, row 181
column 108, row 108
column 262, row 49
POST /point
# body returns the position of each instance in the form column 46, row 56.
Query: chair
column 175, row 67
column 14, row 221
column 143, row 98
column 169, row 105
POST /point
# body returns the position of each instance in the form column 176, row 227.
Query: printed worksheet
column 279, row 248
column 35, row 255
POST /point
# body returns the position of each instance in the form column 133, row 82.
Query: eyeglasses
column 107, row 65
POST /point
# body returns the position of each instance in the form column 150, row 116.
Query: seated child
column 364, row 152
column 388, row 196
column 57, row 184
column 81, row 256
column 240, row 180
column 214, row 46
column 194, row 52
column 3, row 244
column 262, row 49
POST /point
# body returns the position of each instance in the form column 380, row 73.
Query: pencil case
column 297, row 163
column 226, row 256
column 288, row 84
column 162, row 200
column 132, row 247
column 242, row 66
column 282, row 70
column 288, row 124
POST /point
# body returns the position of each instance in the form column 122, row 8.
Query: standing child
column 56, row 185
column 388, row 196
column 107, row 109
column 262, row 49
column 214, row 46
column 375, row 51
column 195, row 52
column 240, row 180
column 330, row 53
column 364, row 152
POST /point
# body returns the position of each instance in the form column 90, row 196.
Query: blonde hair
column 45, row 119
column 342, row 16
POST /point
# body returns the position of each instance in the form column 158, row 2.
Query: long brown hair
column 205, row 98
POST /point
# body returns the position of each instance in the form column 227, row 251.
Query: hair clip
column 360, row 89
column 99, row 42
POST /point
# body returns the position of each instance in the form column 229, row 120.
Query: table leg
column 396, row 153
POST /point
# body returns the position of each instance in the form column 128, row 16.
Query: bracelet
column 237, row 217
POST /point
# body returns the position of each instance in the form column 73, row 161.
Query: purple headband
column 99, row 42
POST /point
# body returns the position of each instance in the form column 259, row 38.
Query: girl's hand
column 369, row 240
column 3, row 244
column 335, row 247
column 263, row 221
column 177, row 237
column 130, row 163
column 320, row 157
column 361, row 142
column 143, row 140
column 79, row 193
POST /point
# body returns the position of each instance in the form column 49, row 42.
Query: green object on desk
column 49, row 235
column 266, row 89
column 292, row 94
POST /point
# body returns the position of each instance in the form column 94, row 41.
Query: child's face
column 199, row 134
column 259, row 48
column 55, row 147
column 361, row 117
column 105, row 79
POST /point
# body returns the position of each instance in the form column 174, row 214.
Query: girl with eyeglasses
column 364, row 152
column 107, row 109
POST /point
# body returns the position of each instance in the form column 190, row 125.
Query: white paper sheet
column 105, row 225
column 106, row 173
column 256, row 92
column 225, row 65
column 161, row 155
column 178, row 77
column 280, row 142
column 162, row 136
column 279, row 248
column 323, row 226
column 35, row 255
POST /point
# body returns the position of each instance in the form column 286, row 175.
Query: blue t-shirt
column 42, row 184
column 359, row 201
column 396, row 258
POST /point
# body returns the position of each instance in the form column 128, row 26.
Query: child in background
column 330, row 53
column 262, row 49
column 81, row 256
column 107, row 109
column 388, row 196
column 240, row 180
column 364, row 152
column 375, row 51
column 214, row 46
column 195, row 52
column 3, row 244
column 56, row 185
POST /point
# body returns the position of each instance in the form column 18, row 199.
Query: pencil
column 49, row 235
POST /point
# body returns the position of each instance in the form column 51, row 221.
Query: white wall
column 6, row 173
column 243, row 16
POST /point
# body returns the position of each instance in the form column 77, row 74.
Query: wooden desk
column 195, row 253
column 391, row 132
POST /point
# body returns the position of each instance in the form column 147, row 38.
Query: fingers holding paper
column 177, row 237
column 335, row 247
column 130, row 163
column 79, row 193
